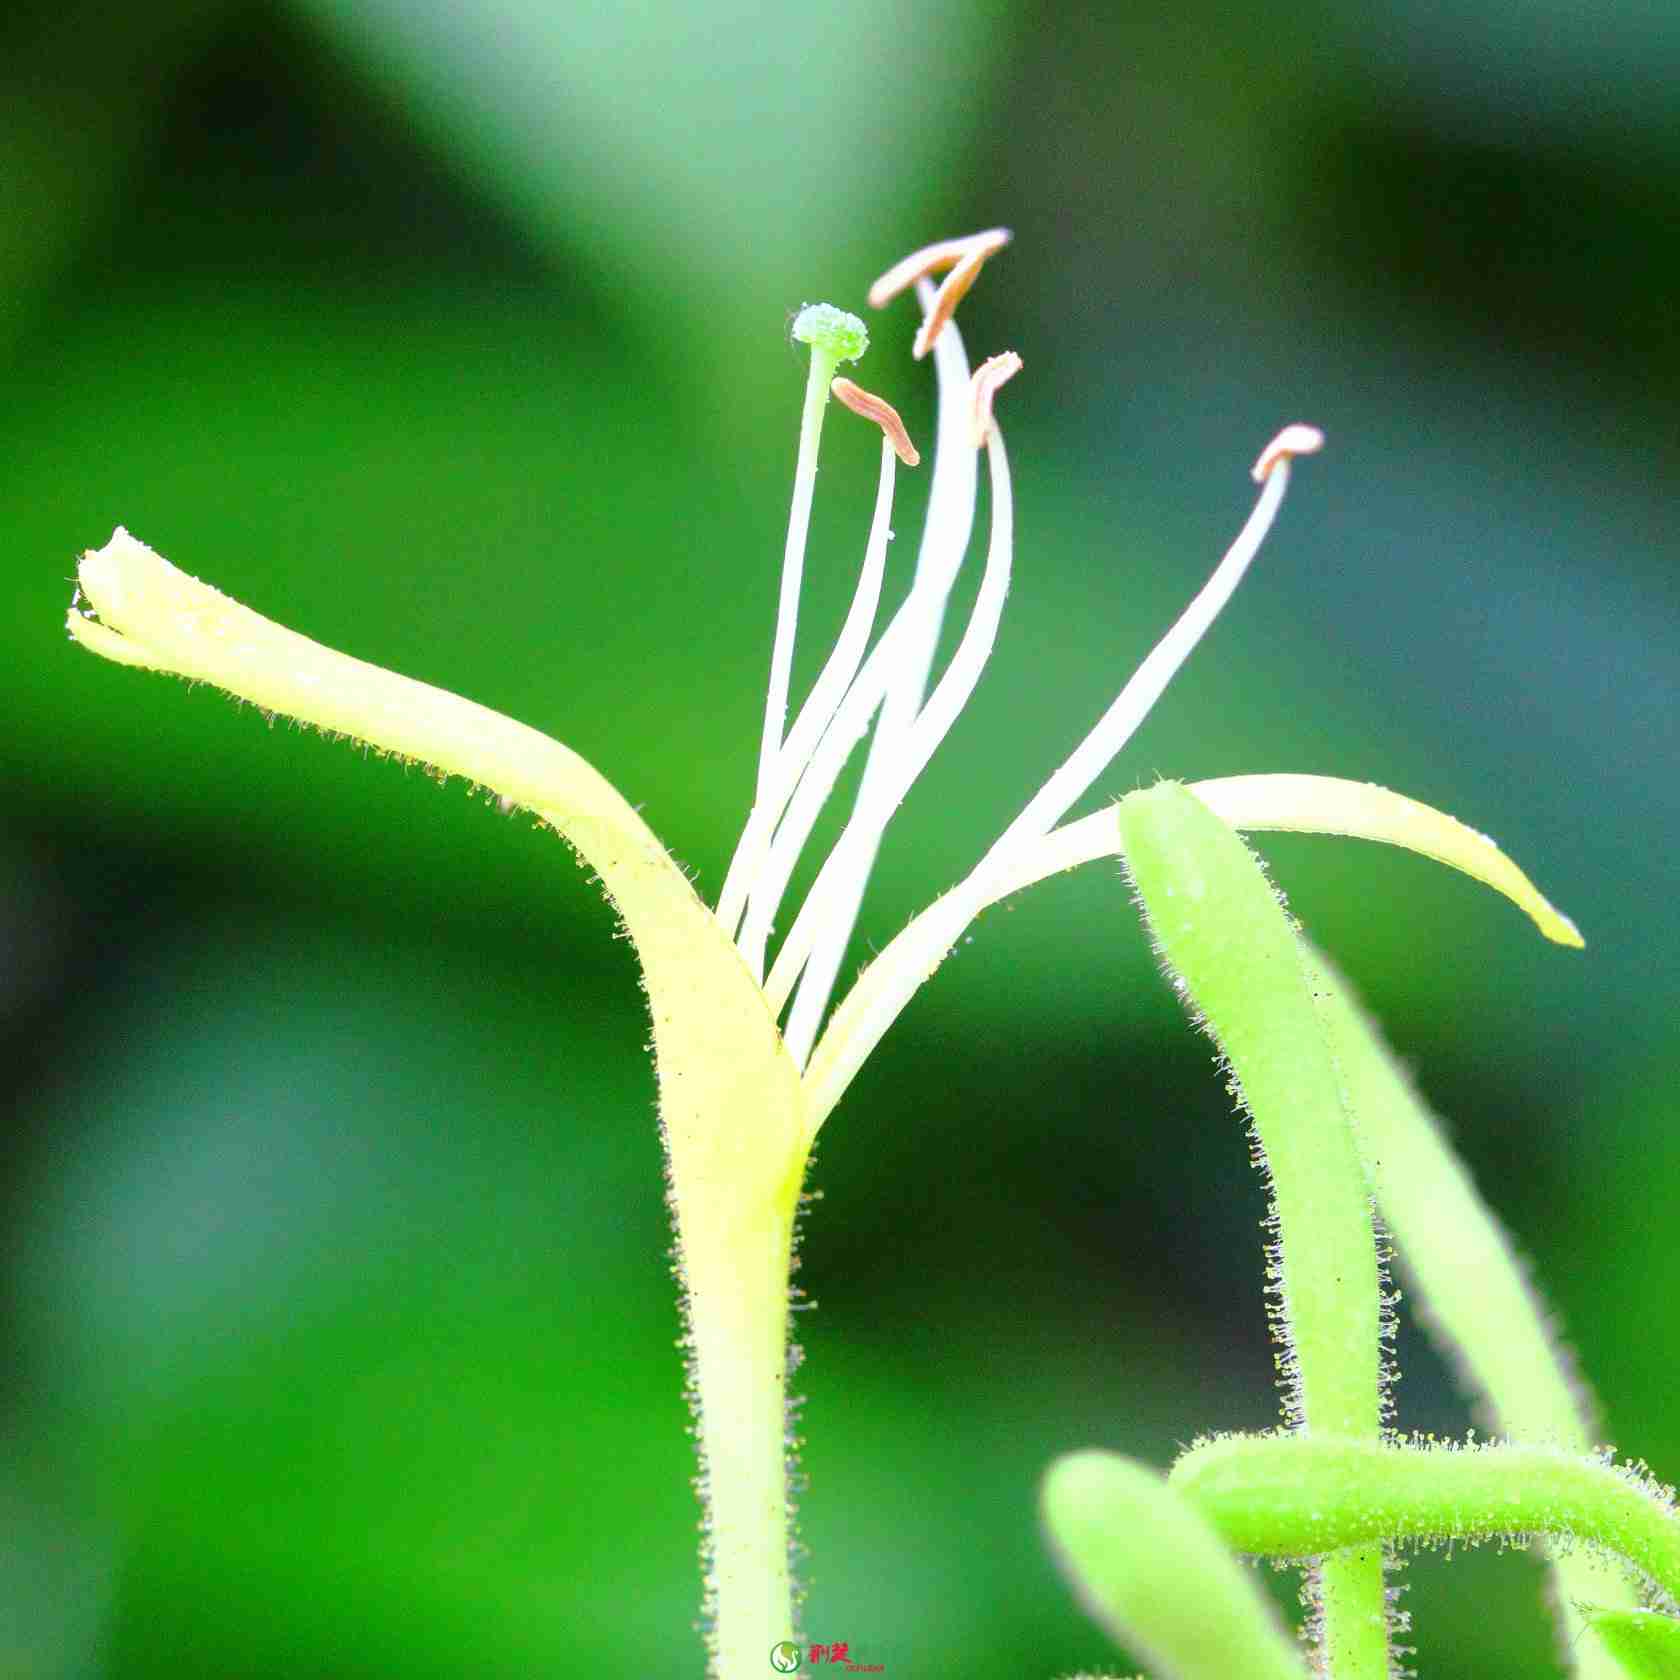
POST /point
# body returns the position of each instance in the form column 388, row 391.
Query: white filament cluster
column 890, row 688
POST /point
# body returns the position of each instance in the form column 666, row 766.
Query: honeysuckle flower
column 751, row 1059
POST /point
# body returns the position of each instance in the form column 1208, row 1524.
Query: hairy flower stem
column 731, row 1106
column 735, row 1271
column 1296, row 1495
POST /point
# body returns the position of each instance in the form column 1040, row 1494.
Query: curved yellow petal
column 730, row 1100
column 1330, row 805
column 1300, row 804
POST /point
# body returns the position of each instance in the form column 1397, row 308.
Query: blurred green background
column 338, row 1333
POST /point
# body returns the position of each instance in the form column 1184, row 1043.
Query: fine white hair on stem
column 817, row 712
column 888, row 984
column 894, row 677
column 817, row 938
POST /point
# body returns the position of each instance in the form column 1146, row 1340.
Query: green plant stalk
column 731, row 1105
column 1154, row 1572
column 1476, row 1298
column 1352, row 1612
column 1291, row 1496
column 1231, row 949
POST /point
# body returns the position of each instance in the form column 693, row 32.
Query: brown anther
column 983, row 387
column 1291, row 441
column 933, row 259
column 963, row 257
column 882, row 412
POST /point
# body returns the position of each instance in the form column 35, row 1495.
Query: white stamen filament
column 883, row 989
column 897, row 667
column 1027, row 847
column 818, row 939
column 816, row 784
column 1133, row 704
column 814, row 946
column 815, row 715
column 793, row 566
column 948, row 528
column 797, row 776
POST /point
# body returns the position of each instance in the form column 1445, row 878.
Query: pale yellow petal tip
column 98, row 572
column 1558, row 928
column 133, row 589
column 107, row 575
column 1291, row 441
column 1365, row 811
column 101, row 639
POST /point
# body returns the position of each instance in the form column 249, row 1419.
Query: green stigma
column 832, row 331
